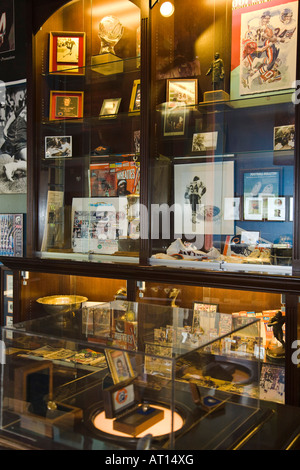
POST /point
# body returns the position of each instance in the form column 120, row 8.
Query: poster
column 264, row 47
column 98, row 223
column 200, row 191
column 13, row 137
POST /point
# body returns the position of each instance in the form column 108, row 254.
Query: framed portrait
column 58, row 146
column 110, row 107
column 67, row 53
column 200, row 191
column 174, row 120
column 182, row 91
column 284, row 138
column 253, row 208
column 66, row 105
column 135, row 100
column 119, row 365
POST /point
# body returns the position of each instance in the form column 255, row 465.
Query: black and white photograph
column 284, row 137
column 7, row 26
column 204, row 141
column 13, row 137
column 58, row 146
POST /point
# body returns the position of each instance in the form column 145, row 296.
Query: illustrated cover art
column 114, row 179
column 264, row 47
column 102, row 180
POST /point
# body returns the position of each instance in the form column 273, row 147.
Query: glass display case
column 88, row 131
column 126, row 375
column 224, row 136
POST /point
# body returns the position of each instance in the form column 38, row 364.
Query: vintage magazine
column 264, row 46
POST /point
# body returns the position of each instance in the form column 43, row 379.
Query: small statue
column 277, row 323
column 217, row 72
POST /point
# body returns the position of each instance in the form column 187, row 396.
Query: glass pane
column 222, row 176
column 88, row 131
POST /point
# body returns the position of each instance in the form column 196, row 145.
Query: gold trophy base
column 215, row 95
column 107, row 64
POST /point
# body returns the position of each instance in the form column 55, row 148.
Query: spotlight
column 167, row 9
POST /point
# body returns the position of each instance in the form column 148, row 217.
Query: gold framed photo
column 135, row 100
column 110, row 107
column 182, row 91
column 67, row 53
column 66, row 105
column 119, row 365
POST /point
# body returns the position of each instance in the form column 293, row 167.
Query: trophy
column 110, row 33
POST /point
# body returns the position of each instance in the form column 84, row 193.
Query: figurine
column 277, row 323
column 217, row 72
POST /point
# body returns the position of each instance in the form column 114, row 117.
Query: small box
column 121, row 403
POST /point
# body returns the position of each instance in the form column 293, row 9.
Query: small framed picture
column 206, row 307
column 204, row 316
column 175, row 118
column 67, row 53
column 204, row 142
column 284, row 137
column 182, row 91
column 58, row 146
column 119, row 365
column 276, row 208
column 66, row 105
column 110, row 107
column 253, row 208
column 135, row 100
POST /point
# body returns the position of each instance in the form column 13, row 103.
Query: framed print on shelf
column 66, row 105
column 119, row 365
column 182, row 91
column 204, row 142
column 174, row 120
column 276, row 208
column 253, row 208
column 284, row 137
column 67, row 53
column 204, row 316
column 58, row 146
column 110, row 107
column 135, row 100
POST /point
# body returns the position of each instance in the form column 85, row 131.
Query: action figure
column 217, row 72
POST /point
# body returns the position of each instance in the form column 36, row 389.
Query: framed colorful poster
column 264, row 47
column 66, row 105
column 67, row 53
column 182, row 91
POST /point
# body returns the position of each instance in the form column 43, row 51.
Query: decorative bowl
column 61, row 303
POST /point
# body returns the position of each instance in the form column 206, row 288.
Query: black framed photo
column 119, row 365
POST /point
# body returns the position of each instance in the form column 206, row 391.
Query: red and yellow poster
column 263, row 47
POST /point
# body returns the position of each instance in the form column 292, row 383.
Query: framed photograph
column 58, row 146
column 232, row 208
column 276, row 208
column 253, row 208
column 200, row 191
column 119, row 365
column 67, row 53
column 284, row 138
column 204, row 142
column 135, row 100
column 182, row 91
column 174, row 120
column 263, row 58
column 66, row 105
column 110, row 107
